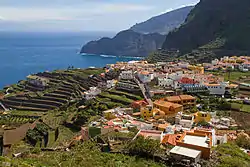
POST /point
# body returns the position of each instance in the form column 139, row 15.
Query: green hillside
column 212, row 21
column 217, row 27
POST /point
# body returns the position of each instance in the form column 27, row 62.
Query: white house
column 165, row 82
column 186, row 121
column 216, row 89
column 183, row 65
column 215, row 62
column 176, row 76
column 177, row 85
column 126, row 75
column 110, row 83
column 145, row 76
column 220, row 139
column 180, row 153
column 225, row 121
column 91, row 93
column 244, row 67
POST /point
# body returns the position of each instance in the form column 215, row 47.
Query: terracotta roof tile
column 173, row 98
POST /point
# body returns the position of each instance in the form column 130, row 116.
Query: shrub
column 243, row 141
column 144, row 147
column 230, row 154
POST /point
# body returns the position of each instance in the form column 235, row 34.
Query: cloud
column 110, row 15
column 67, row 13
column 125, row 7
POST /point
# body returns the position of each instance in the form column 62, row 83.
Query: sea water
column 23, row 53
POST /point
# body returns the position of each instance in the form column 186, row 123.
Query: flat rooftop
column 196, row 140
column 187, row 152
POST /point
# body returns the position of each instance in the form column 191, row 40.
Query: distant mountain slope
column 164, row 23
column 214, row 24
column 141, row 39
column 125, row 43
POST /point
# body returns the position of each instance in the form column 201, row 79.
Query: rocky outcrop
column 125, row 43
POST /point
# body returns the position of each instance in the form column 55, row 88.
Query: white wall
column 217, row 90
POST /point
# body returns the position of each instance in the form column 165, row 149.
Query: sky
column 81, row 15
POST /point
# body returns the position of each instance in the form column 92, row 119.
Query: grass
column 235, row 75
column 242, row 107
column 83, row 155
column 109, row 103
column 65, row 134
column 230, row 155
column 128, row 95
column 28, row 113
column 246, row 108
column 121, row 99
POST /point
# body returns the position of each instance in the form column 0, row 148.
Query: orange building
column 186, row 100
column 170, row 139
column 198, row 140
column 167, row 109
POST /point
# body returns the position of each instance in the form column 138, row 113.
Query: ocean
column 26, row 53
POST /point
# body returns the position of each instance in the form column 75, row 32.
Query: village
column 182, row 106
column 173, row 110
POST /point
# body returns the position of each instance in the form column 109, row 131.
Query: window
column 204, row 115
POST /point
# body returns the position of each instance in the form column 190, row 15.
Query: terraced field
column 63, row 86
column 128, row 86
column 16, row 120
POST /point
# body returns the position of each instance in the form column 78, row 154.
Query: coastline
column 111, row 56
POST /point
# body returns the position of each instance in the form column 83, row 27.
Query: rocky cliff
column 125, row 43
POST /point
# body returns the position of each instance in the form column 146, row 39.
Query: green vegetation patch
column 235, row 75
column 128, row 95
column 241, row 107
column 123, row 99
column 87, row 154
column 231, row 155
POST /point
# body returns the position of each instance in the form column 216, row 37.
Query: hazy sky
column 81, row 15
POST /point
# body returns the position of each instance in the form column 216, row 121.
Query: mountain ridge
column 163, row 23
column 133, row 42
column 125, row 43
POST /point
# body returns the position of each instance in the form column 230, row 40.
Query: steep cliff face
column 213, row 24
column 125, row 43
column 164, row 23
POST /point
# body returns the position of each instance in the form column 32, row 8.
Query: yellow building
column 167, row 108
column 146, row 112
column 196, row 69
column 202, row 116
column 186, row 100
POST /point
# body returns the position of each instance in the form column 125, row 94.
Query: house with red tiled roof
column 138, row 104
column 170, row 139
column 186, row 80
column 186, row 100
